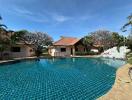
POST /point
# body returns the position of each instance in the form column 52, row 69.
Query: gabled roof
column 66, row 41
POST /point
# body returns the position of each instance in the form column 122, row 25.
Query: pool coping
column 122, row 88
column 16, row 60
column 34, row 57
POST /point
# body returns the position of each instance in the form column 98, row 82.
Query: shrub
column 100, row 49
column 81, row 53
column 129, row 44
column 86, row 53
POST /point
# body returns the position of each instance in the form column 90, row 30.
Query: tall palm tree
column 2, row 25
column 129, row 23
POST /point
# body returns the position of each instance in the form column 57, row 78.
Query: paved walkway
column 87, row 56
column 14, row 59
column 122, row 89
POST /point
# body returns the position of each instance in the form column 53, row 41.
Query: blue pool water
column 58, row 79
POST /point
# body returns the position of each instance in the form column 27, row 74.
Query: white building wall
column 95, row 50
column 56, row 51
column 25, row 51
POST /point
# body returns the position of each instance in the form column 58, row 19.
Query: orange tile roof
column 66, row 41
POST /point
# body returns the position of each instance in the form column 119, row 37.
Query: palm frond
column 129, row 17
column 123, row 29
column 0, row 18
column 2, row 25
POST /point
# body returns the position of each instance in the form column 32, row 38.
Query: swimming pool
column 58, row 79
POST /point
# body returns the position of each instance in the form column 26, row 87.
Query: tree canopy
column 38, row 39
column 103, row 38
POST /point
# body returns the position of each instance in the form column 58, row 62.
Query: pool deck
column 16, row 59
column 91, row 56
column 122, row 88
column 28, row 58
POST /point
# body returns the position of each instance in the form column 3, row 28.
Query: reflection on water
column 76, row 62
column 113, row 62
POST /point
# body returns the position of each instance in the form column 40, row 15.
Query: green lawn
column 129, row 56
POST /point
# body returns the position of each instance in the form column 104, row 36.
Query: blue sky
column 74, row 18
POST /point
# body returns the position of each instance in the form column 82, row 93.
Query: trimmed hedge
column 86, row 53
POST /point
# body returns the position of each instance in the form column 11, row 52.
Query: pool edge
column 122, row 88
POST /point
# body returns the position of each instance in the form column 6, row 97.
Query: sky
column 73, row 18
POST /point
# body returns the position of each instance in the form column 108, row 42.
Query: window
column 15, row 49
column 63, row 49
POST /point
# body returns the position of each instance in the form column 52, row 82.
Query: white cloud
column 22, row 11
column 60, row 18
column 39, row 17
column 32, row 16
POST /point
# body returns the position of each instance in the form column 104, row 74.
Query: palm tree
column 2, row 25
column 129, row 23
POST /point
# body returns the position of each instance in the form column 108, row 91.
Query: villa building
column 19, row 50
column 66, row 46
column 22, row 50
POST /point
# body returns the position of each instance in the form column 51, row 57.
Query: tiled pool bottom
column 57, row 79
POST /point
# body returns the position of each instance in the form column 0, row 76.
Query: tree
column 18, row 36
column 3, row 37
column 39, row 40
column 117, row 39
column 88, row 42
column 128, row 24
column 102, row 38
column 4, row 41
column 2, row 25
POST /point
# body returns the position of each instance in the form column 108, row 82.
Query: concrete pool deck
column 16, row 59
column 122, row 88
column 24, row 58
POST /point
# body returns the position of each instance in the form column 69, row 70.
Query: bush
column 129, row 44
column 93, row 53
column 81, row 53
column 100, row 49
column 86, row 53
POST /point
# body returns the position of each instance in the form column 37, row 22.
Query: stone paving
column 122, row 89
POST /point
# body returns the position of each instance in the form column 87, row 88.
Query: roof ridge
column 66, row 41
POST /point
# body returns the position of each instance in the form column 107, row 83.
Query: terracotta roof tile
column 66, row 41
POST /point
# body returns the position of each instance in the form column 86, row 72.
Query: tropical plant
column 124, row 29
column 88, row 42
column 18, row 36
column 2, row 25
column 129, row 23
column 117, row 39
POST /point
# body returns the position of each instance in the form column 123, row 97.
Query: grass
column 129, row 57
